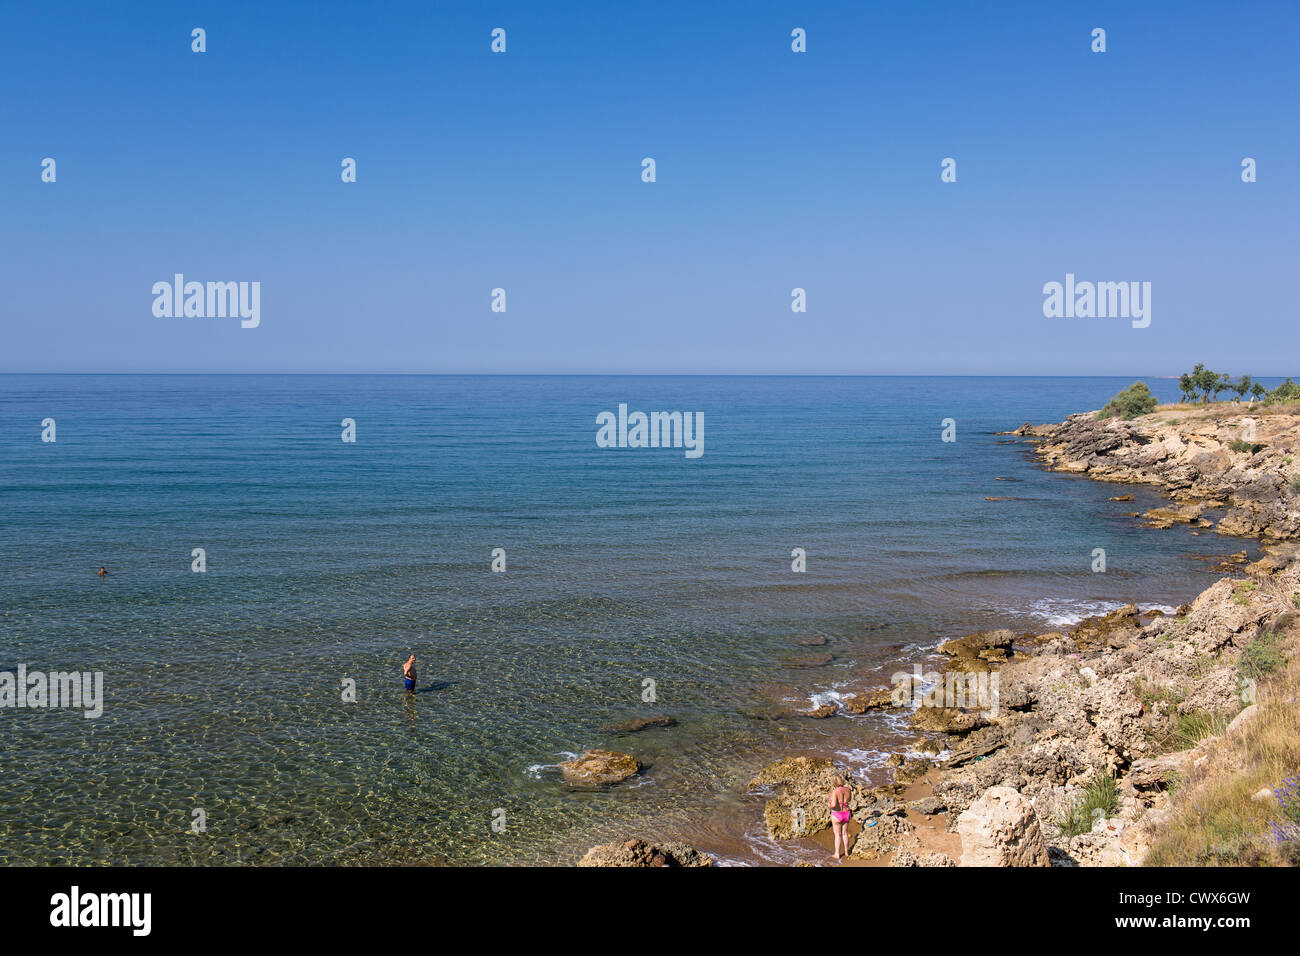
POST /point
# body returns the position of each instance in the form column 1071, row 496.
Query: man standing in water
column 408, row 673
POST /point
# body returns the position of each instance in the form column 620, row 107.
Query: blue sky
column 775, row 170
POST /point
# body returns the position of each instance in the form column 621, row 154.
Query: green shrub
column 1244, row 446
column 1288, row 391
column 1102, row 793
column 1261, row 657
column 1133, row 401
column 1191, row 728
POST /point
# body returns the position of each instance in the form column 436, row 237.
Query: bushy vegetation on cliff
column 1242, row 807
column 1133, row 401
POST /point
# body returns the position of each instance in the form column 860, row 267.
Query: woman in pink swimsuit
column 840, row 816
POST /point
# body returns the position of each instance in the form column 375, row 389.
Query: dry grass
column 1214, row 820
column 1192, row 411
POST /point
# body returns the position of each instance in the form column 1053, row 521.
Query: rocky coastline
column 1091, row 730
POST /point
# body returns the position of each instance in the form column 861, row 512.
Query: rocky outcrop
column 989, row 645
column 1232, row 458
column 642, row 853
column 1124, row 695
column 908, row 858
column 871, row 700
column 1001, row 829
column 599, row 768
column 799, row 788
column 1113, row 630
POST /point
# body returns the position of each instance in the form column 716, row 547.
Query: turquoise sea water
column 329, row 561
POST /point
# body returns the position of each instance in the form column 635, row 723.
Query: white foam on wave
column 1148, row 608
column 534, row 771
column 870, row 759
column 858, row 758
column 1067, row 612
column 832, row 696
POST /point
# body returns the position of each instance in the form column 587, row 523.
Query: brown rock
column 644, row 853
column 973, row 645
column 600, row 768
column 875, row 700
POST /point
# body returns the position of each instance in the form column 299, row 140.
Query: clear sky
column 775, row 170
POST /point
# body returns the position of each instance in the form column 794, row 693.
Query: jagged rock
column 1108, row 630
column 880, row 836
column 968, row 665
column 912, row 770
column 977, row 645
column 875, row 700
column 948, row 720
column 642, row 853
column 1158, row 773
column 1102, row 846
column 802, row 785
column 799, row 770
column 908, row 858
column 1276, row 557
column 1001, row 829
column 1168, row 517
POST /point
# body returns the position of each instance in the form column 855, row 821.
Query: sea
column 266, row 580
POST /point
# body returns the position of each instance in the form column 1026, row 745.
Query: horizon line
column 344, row 374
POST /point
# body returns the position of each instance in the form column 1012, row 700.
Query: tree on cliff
column 1133, row 401
column 1204, row 381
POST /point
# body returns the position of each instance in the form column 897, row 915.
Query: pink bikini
column 838, row 815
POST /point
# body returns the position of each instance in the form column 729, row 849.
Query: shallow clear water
column 329, row 561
